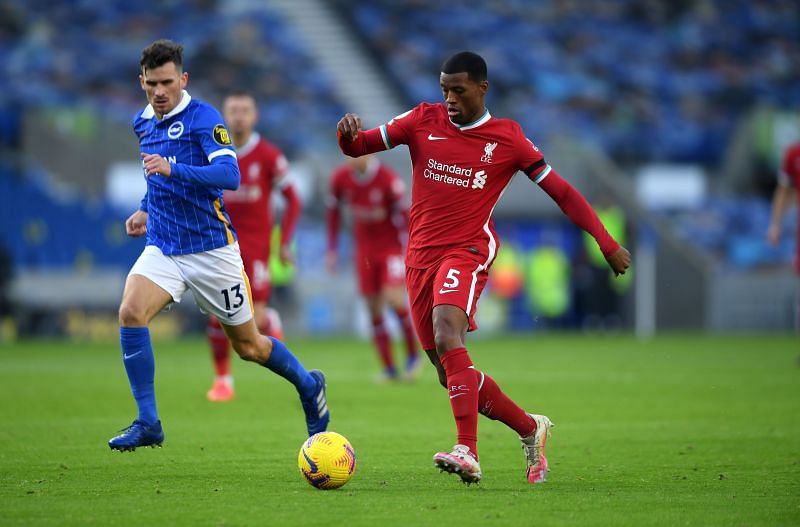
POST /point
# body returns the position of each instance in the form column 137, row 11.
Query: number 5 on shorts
column 451, row 281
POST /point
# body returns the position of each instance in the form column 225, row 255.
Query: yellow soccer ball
column 327, row 460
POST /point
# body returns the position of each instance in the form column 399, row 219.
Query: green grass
column 683, row 430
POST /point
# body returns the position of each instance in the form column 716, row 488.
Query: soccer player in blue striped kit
column 188, row 160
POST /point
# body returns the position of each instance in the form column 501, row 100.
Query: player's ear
column 141, row 81
column 484, row 86
column 184, row 79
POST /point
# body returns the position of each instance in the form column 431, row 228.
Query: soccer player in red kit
column 376, row 196
column 263, row 168
column 788, row 185
column 463, row 159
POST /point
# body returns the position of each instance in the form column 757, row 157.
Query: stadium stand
column 593, row 70
column 643, row 81
column 85, row 53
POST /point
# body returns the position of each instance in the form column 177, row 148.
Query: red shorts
column 256, row 265
column 376, row 272
column 456, row 280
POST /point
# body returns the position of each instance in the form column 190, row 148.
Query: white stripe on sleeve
column 221, row 152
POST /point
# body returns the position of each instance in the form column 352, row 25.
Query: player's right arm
column 356, row 142
column 332, row 219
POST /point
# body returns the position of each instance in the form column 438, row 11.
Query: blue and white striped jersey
column 186, row 213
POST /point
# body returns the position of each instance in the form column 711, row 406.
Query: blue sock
column 282, row 362
column 137, row 355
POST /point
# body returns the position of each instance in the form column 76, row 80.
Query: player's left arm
column 222, row 171
column 572, row 203
column 575, row 206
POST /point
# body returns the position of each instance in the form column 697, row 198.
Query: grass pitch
column 681, row 430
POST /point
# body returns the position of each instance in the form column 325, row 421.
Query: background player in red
column 463, row 159
column 788, row 183
column 376, row 197
column 263, row 168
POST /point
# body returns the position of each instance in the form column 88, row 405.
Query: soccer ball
column 327, row 460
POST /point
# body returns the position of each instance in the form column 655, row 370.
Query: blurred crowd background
column 670, row 116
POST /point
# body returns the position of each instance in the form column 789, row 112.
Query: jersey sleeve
column 385, row 137
column 789, row 173
column 397, row 189
column 398, row 131
column 280, row 168
column 531, row 160
column 213, row 136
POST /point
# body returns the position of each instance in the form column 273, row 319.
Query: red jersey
column 376, row 200
column 459, row 174
column 790, row 176
column 262, row 167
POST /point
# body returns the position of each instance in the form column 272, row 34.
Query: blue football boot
column 138, row 434
column 316, row 406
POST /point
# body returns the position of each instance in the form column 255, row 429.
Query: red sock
column 382, row 343
column 220, row 347
column 462, row 386
column 496, row 405
column 408, row 332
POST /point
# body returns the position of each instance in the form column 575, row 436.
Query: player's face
column 360, row 164
column 464, row 97
column 163, row 86
column 240, row 114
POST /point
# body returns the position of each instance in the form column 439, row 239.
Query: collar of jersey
column 369, row 174
column 476, row 123
column 149, row 113
column 249, row 145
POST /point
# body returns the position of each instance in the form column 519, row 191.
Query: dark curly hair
column 466, row 61
column 160, row 52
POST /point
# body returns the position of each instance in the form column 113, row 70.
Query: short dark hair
column 239, row 92
column 160, row 52
column 467, row 62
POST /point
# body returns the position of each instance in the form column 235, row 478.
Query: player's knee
column 446, row 338
column 131, row 317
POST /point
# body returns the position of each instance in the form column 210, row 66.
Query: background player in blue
column 188, row 160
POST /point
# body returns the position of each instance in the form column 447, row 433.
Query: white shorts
column 216, row 278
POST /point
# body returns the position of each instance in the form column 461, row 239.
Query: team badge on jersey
column 221, row 135
column 488, row 150
column 175, row 130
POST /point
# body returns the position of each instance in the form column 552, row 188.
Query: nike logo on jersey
column 230, row 315
column 132, row 355
column 458, row 394
column 432, row 137
column 445, row 291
